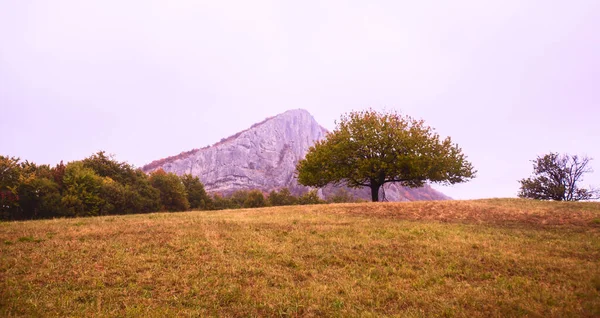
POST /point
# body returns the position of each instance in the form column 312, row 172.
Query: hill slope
column 488, row 258
column 264, row 157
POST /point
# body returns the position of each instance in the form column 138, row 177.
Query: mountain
column 264, row 157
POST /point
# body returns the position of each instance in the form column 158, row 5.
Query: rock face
column 264, row 157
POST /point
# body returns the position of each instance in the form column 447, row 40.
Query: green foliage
column 369, row 149
column 58, row 174
column 557, row 177
column 196, row 194
column 148, row 197
column 247, row 199
column 238, row 198
column 97, row 185
column 282, row 197
column 100, row 185
column 116, row 197
column 10, row 172
column 310, row 197
column 342, row 196
column 39, row 197
column 107, row 166
column 172, row 191
column 255, row 199
column 82, row 187
column 124, row 189
column 27, row 190
column 220, row 202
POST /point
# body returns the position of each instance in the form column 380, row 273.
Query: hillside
column 264, row 157
column 484, row 258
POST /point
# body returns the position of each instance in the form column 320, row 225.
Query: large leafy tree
column 148, row 197
column 558, row 177
column 39, row 194
column 195, row 192
column 173, row 196
column 82, row 191
column 370, row 149
column 124, row 189
column 106, row 166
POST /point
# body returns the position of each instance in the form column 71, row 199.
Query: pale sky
column 507, row 80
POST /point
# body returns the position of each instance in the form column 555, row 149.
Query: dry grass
column 481, row 258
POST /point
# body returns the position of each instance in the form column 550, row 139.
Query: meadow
column 482, row 258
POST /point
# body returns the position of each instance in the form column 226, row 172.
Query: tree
column 81, row 194
column 115, row 198
column 106, row 166
column 247, row 199
column 557, row 177
column 172, row 192
column 281, row 197
column 255, row 199
column 310, row 197
column 147, row 198
column 10, row 173
column 39, row 195
column 369, row 149
column 238, row 198
column 219, row 202
column 195, row 192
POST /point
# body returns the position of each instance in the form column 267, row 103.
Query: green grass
column 485, row 258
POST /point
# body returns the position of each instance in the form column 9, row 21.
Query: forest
column 101, row 185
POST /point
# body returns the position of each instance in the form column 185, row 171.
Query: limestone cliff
column 264, row 157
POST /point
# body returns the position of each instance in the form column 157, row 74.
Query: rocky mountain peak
column 263, row 156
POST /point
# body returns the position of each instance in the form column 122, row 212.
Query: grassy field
column 485, row 258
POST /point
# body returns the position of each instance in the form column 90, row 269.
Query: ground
column 481, row 258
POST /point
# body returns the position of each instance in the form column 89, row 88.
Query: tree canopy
column 558, row 177
column 369, row 148
column 196, row 195
column 173, row 196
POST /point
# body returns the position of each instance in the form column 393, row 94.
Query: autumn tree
column 255, row 199
column 106, row 166
column 39, row 194
column 147, row 198
column 81, row 195
column 246, row 199
column 369, row 149
column 172, row 191
column 310, row 197
column 10, row 172
column 219, row 202
column 97, row 185
column 124, row 189
column 558, row 177
column 195, row 192
column 281, row 197
column 237, row 199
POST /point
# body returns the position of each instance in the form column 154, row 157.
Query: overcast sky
column 507, row 80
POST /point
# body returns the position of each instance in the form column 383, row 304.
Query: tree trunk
column 375, row 192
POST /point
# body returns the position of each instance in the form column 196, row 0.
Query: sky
column 507, row 80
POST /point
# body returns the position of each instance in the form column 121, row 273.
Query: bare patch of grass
column 462, row 258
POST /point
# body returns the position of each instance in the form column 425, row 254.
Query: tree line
column 100, row 185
